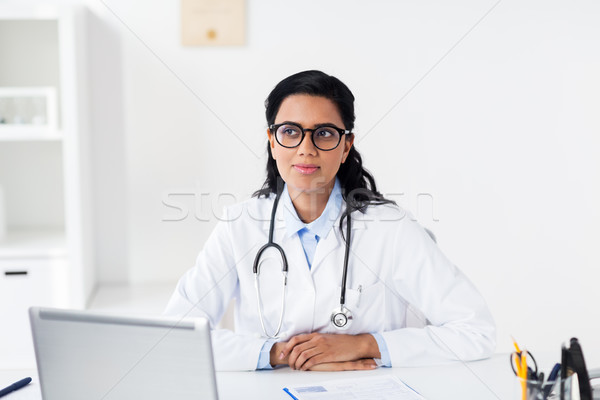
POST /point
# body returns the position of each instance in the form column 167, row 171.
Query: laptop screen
column 100, row 356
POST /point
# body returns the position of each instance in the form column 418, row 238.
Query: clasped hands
column 327, row 352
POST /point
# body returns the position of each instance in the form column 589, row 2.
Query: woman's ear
column 271, row 139
column 347, row 146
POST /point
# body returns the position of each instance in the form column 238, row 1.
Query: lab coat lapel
column 326, row 246
column 295, row 255
column 292, row 246
column 334, row 240
column 359, row 221
column 279, row 227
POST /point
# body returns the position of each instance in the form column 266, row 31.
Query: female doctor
column 322, row 267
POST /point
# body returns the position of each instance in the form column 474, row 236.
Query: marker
column 15, row 386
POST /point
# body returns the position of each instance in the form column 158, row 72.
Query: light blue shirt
column 309, row 235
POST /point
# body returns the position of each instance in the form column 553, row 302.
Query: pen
column 359, row 294
column 554, row 373
column 15, row 386
column 551, row 380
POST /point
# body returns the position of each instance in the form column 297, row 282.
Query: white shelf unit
column 46, row 256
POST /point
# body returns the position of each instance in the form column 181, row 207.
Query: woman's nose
column 307, row 146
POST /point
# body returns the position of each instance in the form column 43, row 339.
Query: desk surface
column 487, row 379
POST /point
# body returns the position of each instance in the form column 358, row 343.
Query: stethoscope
column 341, row 317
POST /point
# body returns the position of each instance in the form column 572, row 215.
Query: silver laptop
column 84, row 355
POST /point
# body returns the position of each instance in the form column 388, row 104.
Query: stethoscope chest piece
column 341, row 318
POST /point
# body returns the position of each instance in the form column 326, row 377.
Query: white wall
column 496, row 118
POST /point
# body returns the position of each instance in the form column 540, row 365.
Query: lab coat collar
column 327, row 244
column 358, row 218
column 336, row 240
column 359, row 221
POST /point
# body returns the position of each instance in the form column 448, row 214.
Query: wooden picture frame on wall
column 213, row 22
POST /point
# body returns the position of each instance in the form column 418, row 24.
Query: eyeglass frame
column 343, row 132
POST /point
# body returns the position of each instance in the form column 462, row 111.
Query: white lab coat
column 392, row 259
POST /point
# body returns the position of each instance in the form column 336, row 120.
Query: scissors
column 518, row 363
column 519, row 360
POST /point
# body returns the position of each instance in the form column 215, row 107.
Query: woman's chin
column 310, row 187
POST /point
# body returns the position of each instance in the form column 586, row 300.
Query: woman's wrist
column 274, row 355
column 368, row 345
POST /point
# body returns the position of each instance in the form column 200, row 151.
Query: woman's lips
column 306, row 169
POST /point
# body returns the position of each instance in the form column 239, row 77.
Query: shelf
column 28, row 133
column 17, row 11
column 33, row 243
column 44, row 168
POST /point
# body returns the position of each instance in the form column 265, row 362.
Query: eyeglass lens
column 325, row 138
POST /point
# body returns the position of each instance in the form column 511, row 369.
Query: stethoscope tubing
column 346, row 255
column 346, row 314
column 270, row 243
column 260, row 316
column 284, row 270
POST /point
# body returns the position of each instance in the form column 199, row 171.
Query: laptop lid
column 85, row 355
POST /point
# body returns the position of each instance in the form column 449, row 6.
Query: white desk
column 487, row 379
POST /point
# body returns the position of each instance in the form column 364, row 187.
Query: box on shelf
column 26, row 108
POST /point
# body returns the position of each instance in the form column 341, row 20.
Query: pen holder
column 534, row 390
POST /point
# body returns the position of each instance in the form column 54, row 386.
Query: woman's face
column 306, row 168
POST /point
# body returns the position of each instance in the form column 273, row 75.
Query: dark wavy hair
column 358, row 185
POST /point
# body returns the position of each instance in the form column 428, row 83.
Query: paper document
column 386, row 387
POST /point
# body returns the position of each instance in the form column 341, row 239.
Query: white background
column 481, row 117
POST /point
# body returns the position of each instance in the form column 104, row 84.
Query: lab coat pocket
column 367, row 304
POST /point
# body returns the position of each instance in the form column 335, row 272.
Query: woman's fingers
column 293, row 342
column 302, row 351
column 307, row 350
column 317, row 359
column 306, row 356
column 315, row 362
column 330, row 348
column 362, row 364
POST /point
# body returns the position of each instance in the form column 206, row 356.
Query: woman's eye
column 324, row 133
column 290, row 131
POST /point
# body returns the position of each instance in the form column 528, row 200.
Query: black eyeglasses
column 324, row 138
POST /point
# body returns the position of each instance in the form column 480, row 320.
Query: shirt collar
column 322, row 225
